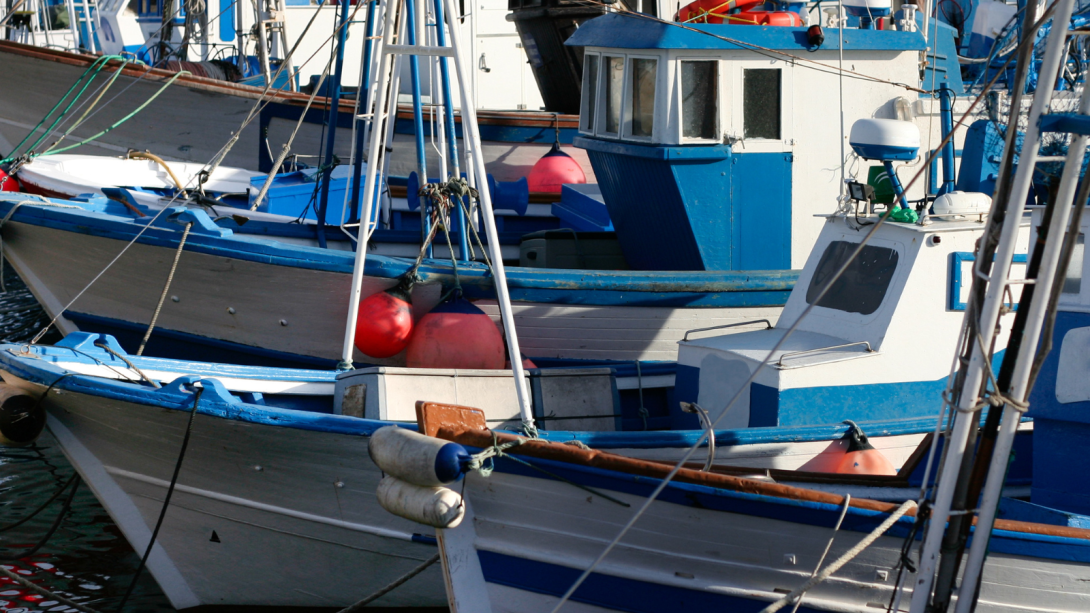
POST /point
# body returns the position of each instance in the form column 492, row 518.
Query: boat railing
column 815, row 350
column 767, row 323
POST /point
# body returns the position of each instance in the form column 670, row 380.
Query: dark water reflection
column 87, row 559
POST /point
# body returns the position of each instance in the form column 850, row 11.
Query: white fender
column 437, row 507
column 416, row 458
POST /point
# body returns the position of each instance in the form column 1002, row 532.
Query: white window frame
column 603, row 104
column 657, row 115
column 721, row 79
column 597, row 86
column 758, row 145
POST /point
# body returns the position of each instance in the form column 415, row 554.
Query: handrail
column 734, row 325
column 794, row 353
column 706, row 423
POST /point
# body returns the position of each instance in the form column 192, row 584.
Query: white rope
column 212, row 165
column 3, row 222
column 844, row 559
column 166, row 288
column 828, row 546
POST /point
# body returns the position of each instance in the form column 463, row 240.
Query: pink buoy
column 553, row 170
column 384, row 324
column 456, row 334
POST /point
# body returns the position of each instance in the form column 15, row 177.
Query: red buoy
column 862, row 458
column 527, row 364
column 553, row 170
column 456, row 334
column 385, row 323
column 8, row 183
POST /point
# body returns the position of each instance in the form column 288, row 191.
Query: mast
column 386, row 52
column 991, row 287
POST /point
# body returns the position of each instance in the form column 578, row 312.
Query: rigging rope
column 166, row 288
column 391, row 587
column 844, row 559
column 745, row 385
column 829, row 545
column 166, row 501
column 96, row 67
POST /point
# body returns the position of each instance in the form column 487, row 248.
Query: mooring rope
column 392, row 586
column 40, row 202
column 166, row 288
column 844, row 559
column 166, row 501
column 829, row 545
column 56, row 522
column 45, row 504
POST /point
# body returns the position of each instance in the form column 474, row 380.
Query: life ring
column 712, row 11
column 715, row 11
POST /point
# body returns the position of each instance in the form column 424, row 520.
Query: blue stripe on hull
column 184, row 346
column 616, row 593
column 799, row 512
column 691, row 289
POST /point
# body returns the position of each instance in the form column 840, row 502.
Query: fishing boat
column 652, row 537
column 203, row 110
column 695, row 258
column 103, row 406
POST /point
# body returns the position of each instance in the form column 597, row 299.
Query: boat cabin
column 1060, row 400
column 875, row 345
column 715, row 145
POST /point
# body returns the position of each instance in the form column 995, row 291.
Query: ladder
column 937, row 572
column 382, row 111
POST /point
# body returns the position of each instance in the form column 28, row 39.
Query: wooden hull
column 194, row 117
column 703, row 547
column 228, row 306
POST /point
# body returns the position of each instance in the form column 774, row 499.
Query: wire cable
column 166, row 500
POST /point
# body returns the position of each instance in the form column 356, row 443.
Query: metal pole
column 989, row 314
column 1019, row 389
column 946, row 117
column 368, row 190
column 448, row 104
column 334, row 114
column 418, row 111
column 240, row 58
column 471, row 134
column 364, row 95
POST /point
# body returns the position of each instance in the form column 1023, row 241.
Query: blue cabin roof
column 640, row 32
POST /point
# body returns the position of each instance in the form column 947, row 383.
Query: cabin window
column 613, row 93
column 590, row 92
column 865, row 280
column 761, row 88
column 644, row 72
column 699, row 99
column 1073, row 278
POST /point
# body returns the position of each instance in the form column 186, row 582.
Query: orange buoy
column 862, row 458
column 385, row 323
column 8, row 183
column 553, row 170
column 456, row 334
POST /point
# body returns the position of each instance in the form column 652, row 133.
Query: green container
column 883, row 188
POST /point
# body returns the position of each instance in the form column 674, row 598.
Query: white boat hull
column 262, row 515
column 313, row 303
